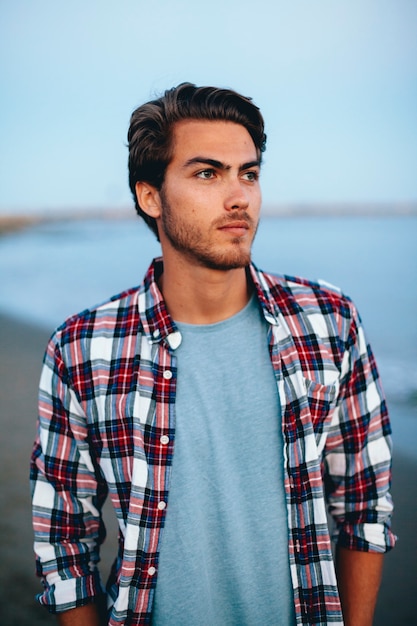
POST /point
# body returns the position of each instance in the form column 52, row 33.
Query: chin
column 225, row 262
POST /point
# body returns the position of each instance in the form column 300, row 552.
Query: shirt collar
column 158, row 324
column 263, row 291
column 156, row 321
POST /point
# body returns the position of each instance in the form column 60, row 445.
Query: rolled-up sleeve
column 67, row 493
column 358, row 452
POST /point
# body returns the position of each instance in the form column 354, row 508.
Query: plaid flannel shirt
column 107, row 425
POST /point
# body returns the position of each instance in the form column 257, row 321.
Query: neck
column 199, row 295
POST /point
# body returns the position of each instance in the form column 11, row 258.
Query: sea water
column 55, row 269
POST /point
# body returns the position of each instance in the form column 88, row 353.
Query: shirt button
column 161, row 505
column 152, row 571
column 174, row 340
column 156, row 333
column 164, row 440
column 167, row 374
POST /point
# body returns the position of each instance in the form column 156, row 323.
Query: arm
column 66, row 494
column 357, row 455
column 358, row 472
column 87, row 615
column 359, row 576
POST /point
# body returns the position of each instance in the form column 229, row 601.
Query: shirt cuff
column 365, row 537
column 62, row 595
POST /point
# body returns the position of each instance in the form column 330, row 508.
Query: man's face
column 210, row 199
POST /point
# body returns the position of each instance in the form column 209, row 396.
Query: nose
column 237, row 197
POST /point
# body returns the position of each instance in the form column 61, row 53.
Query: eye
column 207, row 174
column 251, row 176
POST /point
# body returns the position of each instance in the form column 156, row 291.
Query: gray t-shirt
column 224, row 549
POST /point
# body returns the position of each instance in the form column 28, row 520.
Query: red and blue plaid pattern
column 107, row 426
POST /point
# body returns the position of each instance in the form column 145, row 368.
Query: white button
column 151, row 571
column 269, row 318
column 156, row 333
column 161, row 505
column 164, row 440
column 174, row 340
column 167, row 374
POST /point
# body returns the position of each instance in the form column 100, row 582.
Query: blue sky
column 336, row 82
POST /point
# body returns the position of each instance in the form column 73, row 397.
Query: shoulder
column 309, row 307
column 300, row 293
column 116, row 316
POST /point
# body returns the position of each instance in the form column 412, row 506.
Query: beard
column 198, row 246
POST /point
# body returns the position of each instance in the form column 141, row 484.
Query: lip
column 235, row 228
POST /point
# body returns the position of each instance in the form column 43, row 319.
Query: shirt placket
column 158, row 448
column 293, row 399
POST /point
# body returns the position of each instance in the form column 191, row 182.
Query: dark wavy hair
column 151, row 129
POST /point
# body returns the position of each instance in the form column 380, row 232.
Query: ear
column 148, row 198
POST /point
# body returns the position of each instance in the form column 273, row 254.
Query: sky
column 336, row 81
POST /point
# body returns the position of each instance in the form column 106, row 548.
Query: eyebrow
column 219, row 165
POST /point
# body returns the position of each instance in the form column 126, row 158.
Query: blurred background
column 337, row 85
column 336, row 82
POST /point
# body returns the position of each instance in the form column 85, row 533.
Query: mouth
column 237, row 228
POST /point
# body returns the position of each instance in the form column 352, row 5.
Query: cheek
column 256, row 201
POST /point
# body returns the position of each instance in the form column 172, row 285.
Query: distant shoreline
column 14, row 221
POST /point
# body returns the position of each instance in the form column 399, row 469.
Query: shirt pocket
column 322, row 400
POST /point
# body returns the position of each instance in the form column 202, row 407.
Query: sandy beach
column 21, row 350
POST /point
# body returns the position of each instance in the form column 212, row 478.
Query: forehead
column 212, row 138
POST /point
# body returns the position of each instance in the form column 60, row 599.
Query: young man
column 222, row 408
